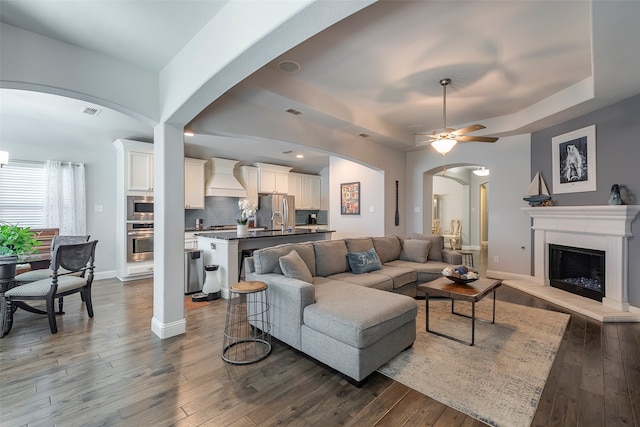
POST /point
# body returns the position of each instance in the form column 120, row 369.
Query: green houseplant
column 16, row 240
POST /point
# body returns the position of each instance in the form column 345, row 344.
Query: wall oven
column 139, row 241
column 139, row 208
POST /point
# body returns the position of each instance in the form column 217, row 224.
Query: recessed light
column 289, row 66
column 188, row 133
column 299, row 156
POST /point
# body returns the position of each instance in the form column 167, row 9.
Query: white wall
column 451, row 200
column 509, row 228
column 371, row 195
column 100, row 177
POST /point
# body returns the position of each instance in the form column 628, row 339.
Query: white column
column 168, row 281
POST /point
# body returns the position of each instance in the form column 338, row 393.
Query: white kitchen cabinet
column 306, row 189
column 314, row 192
column 140, row 171
column 191, row 240
column 273, row 178
column 194, row 183
column 295, row 186
column 248, row 177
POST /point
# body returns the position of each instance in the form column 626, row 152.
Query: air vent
column 293, row 111
column 91, row 111
column 287, row 152
column 364, row 135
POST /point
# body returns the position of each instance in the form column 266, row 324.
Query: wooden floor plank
column 112, row 370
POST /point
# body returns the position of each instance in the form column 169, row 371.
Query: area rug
column 499, row 380
column 189, row 304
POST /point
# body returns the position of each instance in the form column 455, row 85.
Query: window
column 22, row 194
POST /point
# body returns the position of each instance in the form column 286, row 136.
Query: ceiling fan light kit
column 443, row 146
column 443, row 140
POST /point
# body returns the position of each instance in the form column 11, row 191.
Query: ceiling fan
column 443, row 140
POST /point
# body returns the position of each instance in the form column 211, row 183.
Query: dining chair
column 34, row 275
column 72, row 268
column 455, row 234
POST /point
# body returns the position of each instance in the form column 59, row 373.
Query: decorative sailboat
column 537, row 193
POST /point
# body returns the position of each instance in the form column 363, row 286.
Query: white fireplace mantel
column 606, row 228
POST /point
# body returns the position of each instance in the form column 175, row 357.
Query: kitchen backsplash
column 302, row 216
column 224, row 211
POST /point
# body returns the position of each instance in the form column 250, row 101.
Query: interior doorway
column 484, row 216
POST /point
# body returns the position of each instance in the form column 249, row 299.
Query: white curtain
column 65, row 198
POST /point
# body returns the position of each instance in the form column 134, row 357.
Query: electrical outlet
column 522, row 248
column 213, row 246
column 496, row 259
column 98, row 208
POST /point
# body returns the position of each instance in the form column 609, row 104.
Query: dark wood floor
column 112, row 370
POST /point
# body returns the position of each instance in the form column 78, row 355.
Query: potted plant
column 15, row 241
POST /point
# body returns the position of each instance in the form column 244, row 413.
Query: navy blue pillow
column 364, row 262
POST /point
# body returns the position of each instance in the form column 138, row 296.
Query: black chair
column 34, row 275
column 72, row 268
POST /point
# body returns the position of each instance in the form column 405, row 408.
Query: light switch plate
column 99, row 208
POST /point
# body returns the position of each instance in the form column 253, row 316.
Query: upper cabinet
column 140, row 171
column 248, row 177
column 306, row 189
column 135, row 166
column 273, row 178
column 194, row 183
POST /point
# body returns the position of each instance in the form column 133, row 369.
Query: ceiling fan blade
column 468, row 138
column 468, row 129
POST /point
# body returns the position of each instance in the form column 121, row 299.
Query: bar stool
column 467, row 257
column 247, row 329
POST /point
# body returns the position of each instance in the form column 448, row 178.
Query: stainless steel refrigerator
column 276, row 211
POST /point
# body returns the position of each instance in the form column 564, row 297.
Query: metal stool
column 467, row 257
column 247, row 330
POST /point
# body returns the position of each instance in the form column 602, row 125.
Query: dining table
column 9, row 265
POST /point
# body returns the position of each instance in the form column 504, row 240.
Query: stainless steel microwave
column 139, row 208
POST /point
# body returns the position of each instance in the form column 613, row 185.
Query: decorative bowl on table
column 460, row 274
column 460, row 280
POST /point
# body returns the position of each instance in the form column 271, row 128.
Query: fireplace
column 602, row 229
column 580, row 271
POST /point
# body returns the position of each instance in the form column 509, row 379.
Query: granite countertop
column 232, row 235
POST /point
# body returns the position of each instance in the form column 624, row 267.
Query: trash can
column 193, row 270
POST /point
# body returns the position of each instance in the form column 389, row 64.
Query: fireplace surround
column 599, row 228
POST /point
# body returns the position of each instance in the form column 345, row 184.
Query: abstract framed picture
column 573, row 159
column 350, row 198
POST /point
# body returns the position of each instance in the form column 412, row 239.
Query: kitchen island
column 225, row 249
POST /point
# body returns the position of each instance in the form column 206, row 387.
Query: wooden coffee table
column 473, row 292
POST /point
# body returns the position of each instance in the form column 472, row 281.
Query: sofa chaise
column 348, row 303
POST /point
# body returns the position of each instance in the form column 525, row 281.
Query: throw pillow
column 415, row 250
column 294, row 267
column 437, row 245
column 388, row 248
column 364, row 262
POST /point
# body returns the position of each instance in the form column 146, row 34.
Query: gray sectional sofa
column 352, row 322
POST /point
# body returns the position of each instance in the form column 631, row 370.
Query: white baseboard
column 101, row 275
column 168, row 330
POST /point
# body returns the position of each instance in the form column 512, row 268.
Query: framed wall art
column 350, row 198
column 573, row 159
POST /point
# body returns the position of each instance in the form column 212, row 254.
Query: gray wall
column 100, row 176
column 617, row 162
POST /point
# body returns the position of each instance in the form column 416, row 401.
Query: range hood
column 222, row 182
